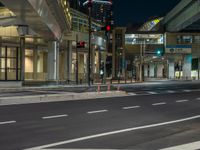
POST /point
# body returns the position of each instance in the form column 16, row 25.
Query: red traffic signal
column 81, row 44
column 108, row 28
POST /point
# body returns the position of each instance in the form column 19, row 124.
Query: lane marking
column 7, row 122
column 97, row 111
column 131, row 107
column 198, row 99
column 157, row 104
column 114, row 132
column 132, row 94
column 189, row 146
column 187, row 90
column 170, row 91
column 182, row 101
column 56, row 116
column 151, row 92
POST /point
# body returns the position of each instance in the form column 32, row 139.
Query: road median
column 44, row 98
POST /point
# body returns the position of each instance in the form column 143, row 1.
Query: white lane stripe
column 56, row 116
column 187, row 90
column 78, row 149
column 157, row 104
column 170, row 91
column 190, row 146
column 182, row 101
column 114, row 132
column 152, row 92
column 7, row 122
column 98, row 111
column 132, row 94
column 198, row 98
column 131, row 107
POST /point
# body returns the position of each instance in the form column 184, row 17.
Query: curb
column 45, row 98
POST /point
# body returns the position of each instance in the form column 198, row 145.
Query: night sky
column 138, row 11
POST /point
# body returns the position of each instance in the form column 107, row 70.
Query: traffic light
column 108, row 28
column 159, row 52
column 80, row 44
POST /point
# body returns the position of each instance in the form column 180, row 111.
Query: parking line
column 151, row 92
column 198, row 98
column 7, row 122
column 56, row 116
column 190, row 146
column 131, row 107
column 98, row 111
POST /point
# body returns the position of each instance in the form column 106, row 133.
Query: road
column 151, row 117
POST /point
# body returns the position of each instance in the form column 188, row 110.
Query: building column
column 171, row 70
column 146, row 70
column 35, row 62
column 69, row 60
column 81, row 66
column 151, row 70
column 159, row 70
column 53, row 61
column 187, row 67
column 22, row 54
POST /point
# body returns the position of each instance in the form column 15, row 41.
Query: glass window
column 197, row 39
column 187, row 39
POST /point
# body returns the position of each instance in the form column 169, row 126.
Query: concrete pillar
column 22, row 52
column 35, row 63
column 151, row 70
column 81, row 66
column 53, row 61
column 171, row 71
column 69, row 60
column 160, row 70
column 145, row 70
column 187, row 67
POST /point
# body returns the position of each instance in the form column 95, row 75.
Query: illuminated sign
column 178, row 49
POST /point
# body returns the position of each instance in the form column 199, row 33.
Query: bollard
column 99, row 88
column 108, row 87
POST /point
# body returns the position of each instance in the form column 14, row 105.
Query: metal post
column 89, row 49
column 76, row 60
column 198, row 68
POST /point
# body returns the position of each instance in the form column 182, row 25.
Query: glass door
column 9, row 64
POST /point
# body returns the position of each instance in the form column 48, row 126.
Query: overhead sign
column 178, row 49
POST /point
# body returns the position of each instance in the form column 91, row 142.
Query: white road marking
column 150, row 92
column 7, row 122
column 182, row 101
column 170, row 91
column 132, row 94
column 98, row 111
column 131, row 107
column 78, row 149
column 114, row 132
column 190, row 146
column 198, row 98
column 187, row 90
column 56, row 116
column 157, row 104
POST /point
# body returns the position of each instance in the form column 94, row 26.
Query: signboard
column 178, row 49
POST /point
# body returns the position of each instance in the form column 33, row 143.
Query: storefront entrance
column 10, row 63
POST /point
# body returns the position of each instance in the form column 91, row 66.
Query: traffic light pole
column 89, row 47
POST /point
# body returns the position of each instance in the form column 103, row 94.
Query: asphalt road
column 147, row 119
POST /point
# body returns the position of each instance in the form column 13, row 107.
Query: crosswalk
column 146, row 92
